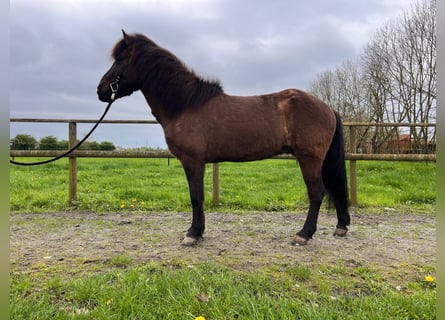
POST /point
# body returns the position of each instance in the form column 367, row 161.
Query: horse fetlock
column 195, row 232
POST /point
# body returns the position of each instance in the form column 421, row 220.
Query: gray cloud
column 60, row 49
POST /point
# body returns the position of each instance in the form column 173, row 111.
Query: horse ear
column 126, row 37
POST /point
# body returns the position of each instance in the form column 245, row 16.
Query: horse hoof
column 339, row 232
column 189, row 241
column 299, row 241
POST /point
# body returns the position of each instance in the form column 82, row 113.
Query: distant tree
column 23, row 142
column 28, row 142
column 400, row 71
column 107, row 146
column 342, row 89
column 393, row 81
column 62, row 145
column 48, row 143
column 90, row 145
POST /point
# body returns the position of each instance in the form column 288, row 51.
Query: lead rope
column 114, row 86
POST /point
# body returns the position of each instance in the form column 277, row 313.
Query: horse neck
column 158, row 93
column 170, row 89
column 157, row 108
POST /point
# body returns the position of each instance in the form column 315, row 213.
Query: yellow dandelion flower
column 122, row 206
column 200, row 318
column 429, row 279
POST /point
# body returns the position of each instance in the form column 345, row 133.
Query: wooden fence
column 352, row 155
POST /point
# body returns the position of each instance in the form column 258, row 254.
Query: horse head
column 121, row 79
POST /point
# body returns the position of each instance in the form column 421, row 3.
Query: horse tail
column 334, row 175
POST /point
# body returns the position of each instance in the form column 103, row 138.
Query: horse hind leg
column 311, row 171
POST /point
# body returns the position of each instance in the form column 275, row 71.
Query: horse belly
column 243, row 141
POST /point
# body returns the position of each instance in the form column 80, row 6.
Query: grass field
column 215, row 292
column 177, row 290
column 151, row 185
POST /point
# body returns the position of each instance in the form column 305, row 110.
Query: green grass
column 161, row 292
column 152, row 185
column 395, row 184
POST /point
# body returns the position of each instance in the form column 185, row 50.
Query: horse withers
column 202, row 124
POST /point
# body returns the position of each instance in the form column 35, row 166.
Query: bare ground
column 77, row 243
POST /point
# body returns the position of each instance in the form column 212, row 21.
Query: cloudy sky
column 60, row 50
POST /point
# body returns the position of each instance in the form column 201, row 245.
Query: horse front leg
column 194, row 172
column 311, row 170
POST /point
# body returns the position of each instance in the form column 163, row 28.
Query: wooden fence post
column 216, row 184
column 72, row 166
column 353, row 167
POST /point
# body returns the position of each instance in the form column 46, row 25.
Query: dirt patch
column 84, row 242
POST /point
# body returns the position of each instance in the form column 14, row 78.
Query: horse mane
column 176, row 86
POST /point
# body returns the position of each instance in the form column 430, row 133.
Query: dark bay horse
column 202, row 124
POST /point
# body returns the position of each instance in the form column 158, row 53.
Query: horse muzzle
column 104, row 95
column 107, row 93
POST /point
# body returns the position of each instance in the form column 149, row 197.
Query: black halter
column 114, row 86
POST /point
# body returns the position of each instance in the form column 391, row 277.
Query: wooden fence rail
column 352, row 156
